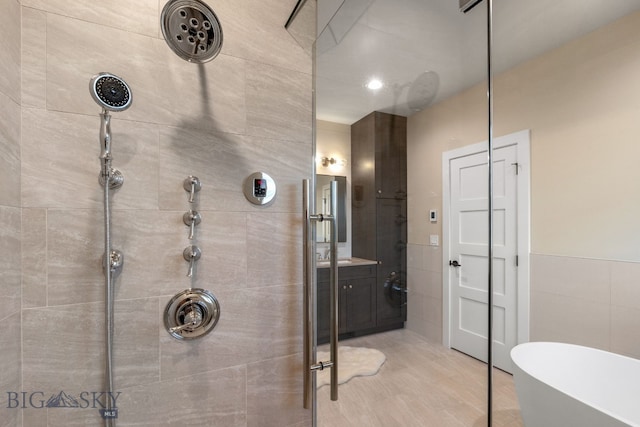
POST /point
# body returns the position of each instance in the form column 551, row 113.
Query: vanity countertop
column 347, row 262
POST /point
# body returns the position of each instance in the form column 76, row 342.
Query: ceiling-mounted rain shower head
column 110, row 92
column 191, row 30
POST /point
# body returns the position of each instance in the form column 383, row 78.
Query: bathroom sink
column 325, row 262
column 346, row 262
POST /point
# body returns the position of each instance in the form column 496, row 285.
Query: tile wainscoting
column 583, row 301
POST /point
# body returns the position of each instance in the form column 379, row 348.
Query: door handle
column 455, row 263
column 309, row 364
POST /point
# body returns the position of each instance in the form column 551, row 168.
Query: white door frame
column 521, row 141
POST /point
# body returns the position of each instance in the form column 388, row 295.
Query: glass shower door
column 401, row 64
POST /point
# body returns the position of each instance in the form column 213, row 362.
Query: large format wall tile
column 140, row 19
column 61, row 161
column 274, row 393
column 74, row 256
column 166, row 89
column 216, row 398
column 246, row 35
column 222, row 162
column 587, row 279
column 625, row 284
column 34, row 58
column 625, row 323
column 217, row 159
column 9, row 152
column 10, row 378
column 10, row 49
column 223, row 241
column 152, row 243
column 10, row 261
column 569, row 319
column 274, row 256
column 424, row 280
column 585, row 301
column 278, row 103
column 73, row 339
column 432, row 258
column 254, row 325
column 34, row 258
column 64, row 144
column 415, row 256
column 248, row 110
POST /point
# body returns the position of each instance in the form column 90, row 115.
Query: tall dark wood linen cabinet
column 379, row 209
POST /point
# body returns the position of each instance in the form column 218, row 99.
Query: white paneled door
column 467, row 256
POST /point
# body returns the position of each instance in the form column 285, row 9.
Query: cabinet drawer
column 348, row 272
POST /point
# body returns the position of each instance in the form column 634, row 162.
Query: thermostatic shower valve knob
column 191, row 314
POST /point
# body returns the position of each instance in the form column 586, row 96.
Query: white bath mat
column 352, row 362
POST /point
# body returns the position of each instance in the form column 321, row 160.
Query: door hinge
column 517, row 260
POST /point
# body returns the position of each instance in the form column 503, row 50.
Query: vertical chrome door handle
column 309, row 363
column 307, row 277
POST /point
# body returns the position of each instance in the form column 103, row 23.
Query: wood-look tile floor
column 421, row 384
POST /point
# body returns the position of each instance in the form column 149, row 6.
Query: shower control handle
column 192, row 185
column 192, row 218
column 191, row 254
column 192, row 319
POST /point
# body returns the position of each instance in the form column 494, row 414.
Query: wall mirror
column 323, row 204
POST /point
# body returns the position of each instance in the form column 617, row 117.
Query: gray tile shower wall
column 10, row 210
column 247, row 110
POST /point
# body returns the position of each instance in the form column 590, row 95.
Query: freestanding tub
column 566, row 385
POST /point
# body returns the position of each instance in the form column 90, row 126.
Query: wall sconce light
column 328, row 161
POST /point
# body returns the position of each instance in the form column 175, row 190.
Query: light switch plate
column 434, row 239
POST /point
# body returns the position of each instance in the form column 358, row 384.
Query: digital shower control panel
column 259, row 188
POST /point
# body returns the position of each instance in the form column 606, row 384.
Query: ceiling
column 424, row 51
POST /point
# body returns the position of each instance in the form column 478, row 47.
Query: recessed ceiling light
column 374, row 84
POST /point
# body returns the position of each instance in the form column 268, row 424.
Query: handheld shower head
column 110, row 92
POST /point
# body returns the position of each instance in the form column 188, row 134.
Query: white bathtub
column 566, row 385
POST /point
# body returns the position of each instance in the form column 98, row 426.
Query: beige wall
column 582, row 104
column 10, row 230
column 248, row 110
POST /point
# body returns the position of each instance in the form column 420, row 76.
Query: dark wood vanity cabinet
column 379, row 204
column 379, row 157
column 356, row 301
column 379, row 232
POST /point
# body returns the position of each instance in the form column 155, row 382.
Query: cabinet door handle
column 350, row 286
